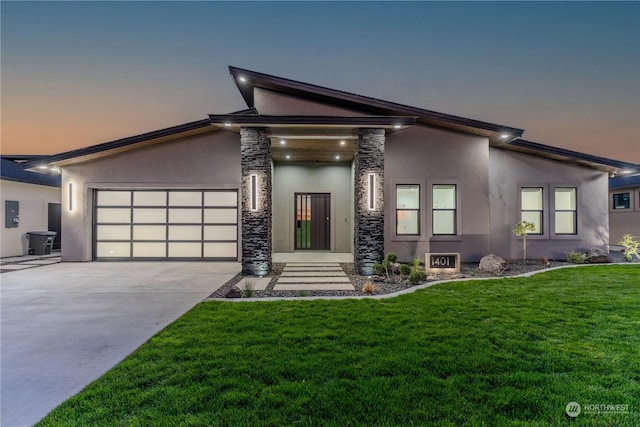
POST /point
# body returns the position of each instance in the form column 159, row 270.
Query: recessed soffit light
column 283, row 142
column 504, row 136
column 242, row 79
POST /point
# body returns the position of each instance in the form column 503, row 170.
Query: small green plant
column 575, row 257
column 247, row 288
column 302, row 294
column 417, row 276
column 378, row 269
column 522, row 229
column 405, row 270
column 391, row 257
column 630, row 246
column 415, row 261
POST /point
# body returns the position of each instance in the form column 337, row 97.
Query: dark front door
column 54, row 224
column 313, row 221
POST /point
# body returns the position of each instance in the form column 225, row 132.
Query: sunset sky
column 81, row 73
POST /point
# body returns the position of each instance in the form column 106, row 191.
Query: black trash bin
column 41, row 242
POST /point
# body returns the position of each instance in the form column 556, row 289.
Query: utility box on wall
column 12, row 214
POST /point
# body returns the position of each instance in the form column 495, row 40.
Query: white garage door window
column 168, row 224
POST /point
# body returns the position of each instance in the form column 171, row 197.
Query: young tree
column 521, row 229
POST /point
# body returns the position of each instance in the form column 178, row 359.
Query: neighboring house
column 311, row 168
column 624, row 207
column 30, row 202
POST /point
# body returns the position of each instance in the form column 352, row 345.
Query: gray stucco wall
column 204, row 161
column 509, row 171
column 270, row 102
column 289, row 179
column 428, row 156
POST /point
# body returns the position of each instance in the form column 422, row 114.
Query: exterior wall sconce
column 371, row 199
column 254, row 192
column 71, row 197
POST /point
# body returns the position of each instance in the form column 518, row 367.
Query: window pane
column 221, row 216
column 221, row 198
column 181, row 250
column 536, row 219
column 408, row 197
column 113, row 232
column 185, row 232
column 122, row 215
column 444, row 197
column 444, row 222
column 112, row 249
column 220, row 250
column 531, row 199
column 407, row 222
column 220, row 232
column 566, row 222
column 150, row 250
column 185, row 215
column 149, row 232
column 622, row 201
column 565, row 199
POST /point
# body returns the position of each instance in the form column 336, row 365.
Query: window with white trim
column 444, row 210
column 532, row 207
column 407, row 209
column 566, row 218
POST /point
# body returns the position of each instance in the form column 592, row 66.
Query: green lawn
column 498, row 352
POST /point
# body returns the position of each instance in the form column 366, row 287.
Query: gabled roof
column 12, row 171
column 247, row 80
column 570, row 156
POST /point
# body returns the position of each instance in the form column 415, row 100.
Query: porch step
column 309, row 276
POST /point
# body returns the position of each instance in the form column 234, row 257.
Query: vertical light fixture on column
column 71, row 198
column 254, row 192
column 372, row 192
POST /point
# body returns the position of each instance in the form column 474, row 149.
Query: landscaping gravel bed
column 382, row 286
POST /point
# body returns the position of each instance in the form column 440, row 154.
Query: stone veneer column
column 256, row 225
column 369, row 224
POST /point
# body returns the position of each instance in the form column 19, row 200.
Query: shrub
column 575, row 257
column 416, row 263
column 405, row 270
column 391, row 257
column 417, row 276
column 630, row 246
column 369, row 288
column 247, row 288
column 378, row 269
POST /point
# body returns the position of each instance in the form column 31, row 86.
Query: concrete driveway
column 66, row 324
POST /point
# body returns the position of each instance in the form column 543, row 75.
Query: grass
column 497, row 352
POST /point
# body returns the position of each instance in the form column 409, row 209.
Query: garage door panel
column 114, row 198
column 150, row 232
column 149, row 250
column 148, row 224
column 185, row 250
column 149, row 198
column 221, row 216
column 221, row 250
column 185, row 216
column 113, row 249
column 113, row 232
column 185, row 232
column 220, row 232
column 149, row 216
column 220, row 198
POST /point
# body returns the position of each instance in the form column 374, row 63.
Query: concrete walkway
column 64, row 325
column 313, row 276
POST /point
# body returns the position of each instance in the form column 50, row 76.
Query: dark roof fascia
column 355, row 121
column 12, row 171
column 119, row 143
column 625, row 181
column 353, row 100
column 22, row 157
column 606, row 163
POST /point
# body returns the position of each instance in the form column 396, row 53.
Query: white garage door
column 166, row 224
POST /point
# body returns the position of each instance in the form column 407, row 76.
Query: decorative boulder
column 493, row 264
column 234, row 293
column 596, row 256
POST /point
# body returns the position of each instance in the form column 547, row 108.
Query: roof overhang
column 247, row 80
column 611, row 166
column 98, row 151
column 312, row 138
